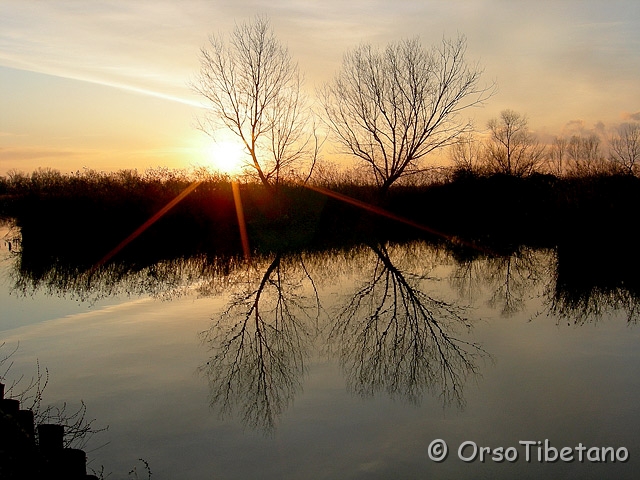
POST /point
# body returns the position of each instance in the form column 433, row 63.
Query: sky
column 105, row 84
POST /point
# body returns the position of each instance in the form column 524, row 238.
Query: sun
column 227, row 156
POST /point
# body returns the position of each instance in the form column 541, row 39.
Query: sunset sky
column 104, row 84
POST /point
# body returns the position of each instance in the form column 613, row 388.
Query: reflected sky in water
column 341, row 364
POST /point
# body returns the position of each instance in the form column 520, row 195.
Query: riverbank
column 86, row 215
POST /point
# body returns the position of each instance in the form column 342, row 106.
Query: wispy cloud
column 553, row 60
column 36, row 153
column 139, row 46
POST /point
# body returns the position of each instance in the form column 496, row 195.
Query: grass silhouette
column 86, row 215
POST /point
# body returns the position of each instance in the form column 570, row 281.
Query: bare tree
column 557, row 156
column 466, row 154
column 624, row 147
column 585, row 156
column 390, row 107
column 253, row 88
column 512, row 149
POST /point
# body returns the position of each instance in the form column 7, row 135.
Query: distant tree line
column 511, row 148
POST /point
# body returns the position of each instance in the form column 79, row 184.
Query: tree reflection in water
column 580, row 309
column 589, row 284
column 509, row 280
column 390, row 334
column 393, row 337
column 259, row 345
column 514, row 278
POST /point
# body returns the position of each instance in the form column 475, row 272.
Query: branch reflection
column 163, row 279
column 510, row 280
column 589, row 284
column 390, row 332
column 393, row 337
column 260, row 342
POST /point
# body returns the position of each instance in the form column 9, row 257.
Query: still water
column 342, row 364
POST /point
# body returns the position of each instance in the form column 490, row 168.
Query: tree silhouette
column 512, row 149
column 625, row 147
column 557, row 156
column 466, row 155
column 391, row 107
column 585, row 156
column 253, row 89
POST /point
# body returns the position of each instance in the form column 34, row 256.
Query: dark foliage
column 83, row 216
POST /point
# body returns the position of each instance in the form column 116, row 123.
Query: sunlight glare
column 227, row 156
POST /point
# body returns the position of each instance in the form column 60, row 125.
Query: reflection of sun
column 227, row 156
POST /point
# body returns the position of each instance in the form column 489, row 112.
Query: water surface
column 345, row 364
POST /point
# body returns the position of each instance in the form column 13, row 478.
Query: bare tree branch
column 624, row 147
column 253, row 88
column 390, row 108
column 512, row 149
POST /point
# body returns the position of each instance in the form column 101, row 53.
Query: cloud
column 10, row 134
column 552, row 62
column 580, row 128
column 36, row 153
column 148, row 47
column 632, row 116
column 573, row 124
